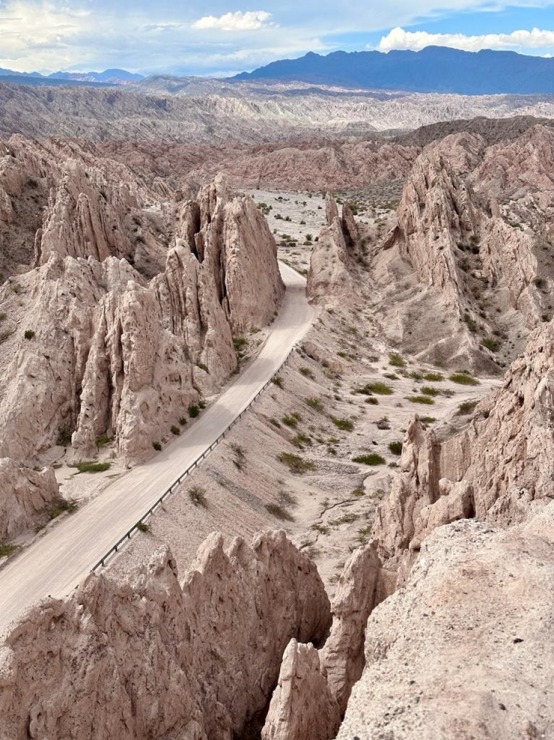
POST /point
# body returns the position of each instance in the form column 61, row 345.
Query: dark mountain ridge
column 434, row 69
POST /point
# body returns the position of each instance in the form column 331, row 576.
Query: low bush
column 61, row 507
column 396, row 360
column 371, row 459
column 194, row 411
column 296, row 464
column 279, row 512
column 421, row 399
column 175, row 430
column 157, row 446
column 464, row 379
column 345, row 424
column 395, row 448
column 89, row 466
column 465, row 408
column 197, row 495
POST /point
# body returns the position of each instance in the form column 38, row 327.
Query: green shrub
column 278, row 381
column 491, row 344
column 194, row 411
column 61, row 507
column 307, row 373
column 29, row 334
column 314, row 403
column 157, row 446
column 182, row 421
column 7, row 550
column 395, row 448
column 381, row 389
column 371, row 459
column 290, row 421
column 427, row 419
column 465, row 408
column 433, row 377
column 279, row 512
column 421, row 399
column 175, row 430
column 301, row 440
column 89, row 466
column 345, row 424
column 103, row 440
column 295, row 463
column 428, row 390
column 464, row 379
column 372, row 401
column 396, row 360
column 143, row 527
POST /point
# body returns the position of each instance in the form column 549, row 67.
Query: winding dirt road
column 57, row 562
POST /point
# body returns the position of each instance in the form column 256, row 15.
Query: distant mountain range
column 434, row 69
column 108, row 77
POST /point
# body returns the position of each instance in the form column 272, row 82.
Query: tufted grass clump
column 395, row 448
column 372, row 459
column 347, row 425
column 424, row 400
column 90, row 466
column 380, row 388
column 295, row 463
column 466, row 408
column 464, row 379
column 396, row 360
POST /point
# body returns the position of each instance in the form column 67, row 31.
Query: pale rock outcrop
column 464, row 648
column 499, row 468
column 314, row 686
column 26, row 495
column 331, row 270
column 152, row 659
column 356, row 596
column 130, row 355
column 233, row 238
column 302, row 705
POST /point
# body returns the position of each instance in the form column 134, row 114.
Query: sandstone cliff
column 112, row 334
column 154, row 659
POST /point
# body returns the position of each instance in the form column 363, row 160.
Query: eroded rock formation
column 26, row 495
column 331, row 261
column 152, row 659
column 112, row 334
column 464, row 649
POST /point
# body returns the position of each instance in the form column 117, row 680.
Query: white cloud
column 251, row 20
column 398, row 38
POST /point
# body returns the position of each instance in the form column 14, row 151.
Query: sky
column 222, row 37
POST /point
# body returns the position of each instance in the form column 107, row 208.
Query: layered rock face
column 25, row 497
column 152, row 659
column 464, row 649
column 92, row 346
column 479, row 265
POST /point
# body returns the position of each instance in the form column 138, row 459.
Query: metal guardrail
column 122, row 541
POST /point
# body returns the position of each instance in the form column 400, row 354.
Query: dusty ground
column 316, row 415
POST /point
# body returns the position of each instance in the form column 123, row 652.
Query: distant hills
column 434, row 69
column 108, row 77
